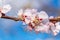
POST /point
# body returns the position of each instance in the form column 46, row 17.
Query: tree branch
column 8, row 17
column 18, row 19
column 12, row 18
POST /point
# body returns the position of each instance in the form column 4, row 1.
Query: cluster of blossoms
column 37, row 21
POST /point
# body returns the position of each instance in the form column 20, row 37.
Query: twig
column 8, row 17
column 18, row 19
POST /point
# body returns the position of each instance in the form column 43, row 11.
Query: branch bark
column 18, row 19
column 12, row 18
column 8, row 17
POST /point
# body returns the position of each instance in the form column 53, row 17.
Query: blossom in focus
column 39, row 21
column 42, row 27
column 43, row 15
column 28, row 15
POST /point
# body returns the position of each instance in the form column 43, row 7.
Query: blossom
column 38, row 21
column 57, row 29
column 6, row 8
column 43, row 15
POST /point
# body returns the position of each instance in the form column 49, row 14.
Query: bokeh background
column 12, row 30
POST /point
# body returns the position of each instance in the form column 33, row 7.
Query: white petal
column 6, row 8
column 43, row 15
column 28, row 12
column 0, row 15
column 20, row 12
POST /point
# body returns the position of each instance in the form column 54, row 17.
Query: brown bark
column 18, row 19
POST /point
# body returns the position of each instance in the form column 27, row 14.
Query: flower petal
column 43, row 15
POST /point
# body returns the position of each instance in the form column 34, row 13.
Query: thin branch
column 12, row 18
column 18, row 19
column 8, row 17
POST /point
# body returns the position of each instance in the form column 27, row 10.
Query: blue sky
column 11, row 30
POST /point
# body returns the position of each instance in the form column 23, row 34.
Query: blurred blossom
column 6, row 8
column 57, row 30
column 43, row 15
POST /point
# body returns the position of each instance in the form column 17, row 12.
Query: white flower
column 43, row 15
column 27, row 13
column 6, row 8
